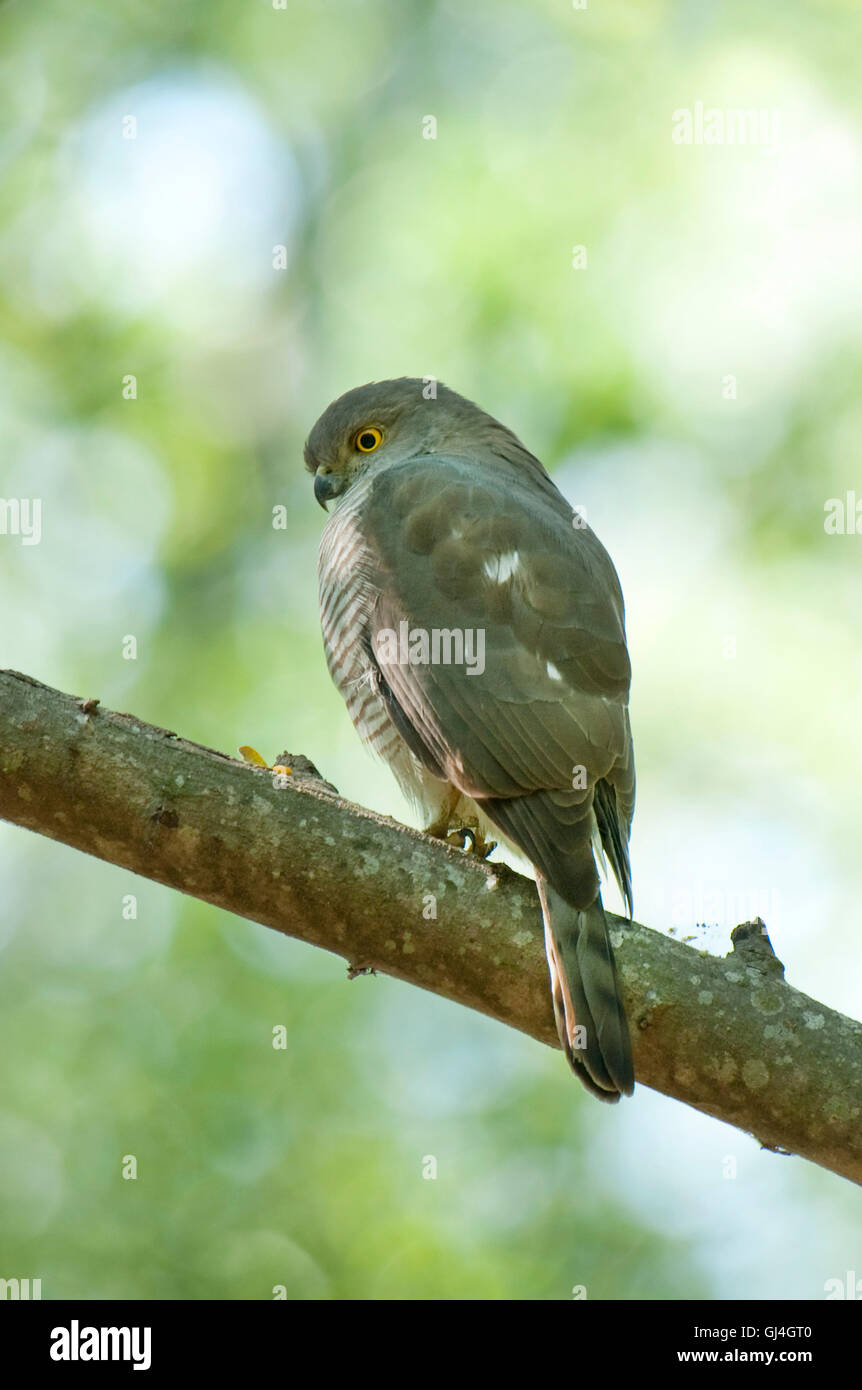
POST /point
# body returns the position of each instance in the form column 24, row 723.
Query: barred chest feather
column 348, row 593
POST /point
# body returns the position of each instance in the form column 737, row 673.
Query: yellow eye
column 368, row 439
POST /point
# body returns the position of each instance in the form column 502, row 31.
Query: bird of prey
column 474, row 626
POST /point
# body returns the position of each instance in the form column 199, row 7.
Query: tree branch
column 727, row 1036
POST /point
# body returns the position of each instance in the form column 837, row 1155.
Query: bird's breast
column 348, row 594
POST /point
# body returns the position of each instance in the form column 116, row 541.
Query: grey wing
column 540, row 737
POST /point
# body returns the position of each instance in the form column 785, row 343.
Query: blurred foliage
column 302, row 128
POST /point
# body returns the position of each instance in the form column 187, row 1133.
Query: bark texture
column 726, row 1035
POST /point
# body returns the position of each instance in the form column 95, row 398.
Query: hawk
column 474, row 626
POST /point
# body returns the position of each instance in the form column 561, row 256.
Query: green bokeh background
column 452, row 257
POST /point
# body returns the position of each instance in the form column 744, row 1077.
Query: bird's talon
column 470, row 840
column 478, row 844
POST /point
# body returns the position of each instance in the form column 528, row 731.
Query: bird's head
column 387, row 422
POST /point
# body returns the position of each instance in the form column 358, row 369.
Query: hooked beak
column 326, row 486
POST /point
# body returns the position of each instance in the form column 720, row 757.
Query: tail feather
column 588, row 1009
column 563, row 1007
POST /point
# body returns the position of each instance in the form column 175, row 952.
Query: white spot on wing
column 502, row 567
column 553, row 672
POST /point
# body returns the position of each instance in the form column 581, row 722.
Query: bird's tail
column 590, row 1017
